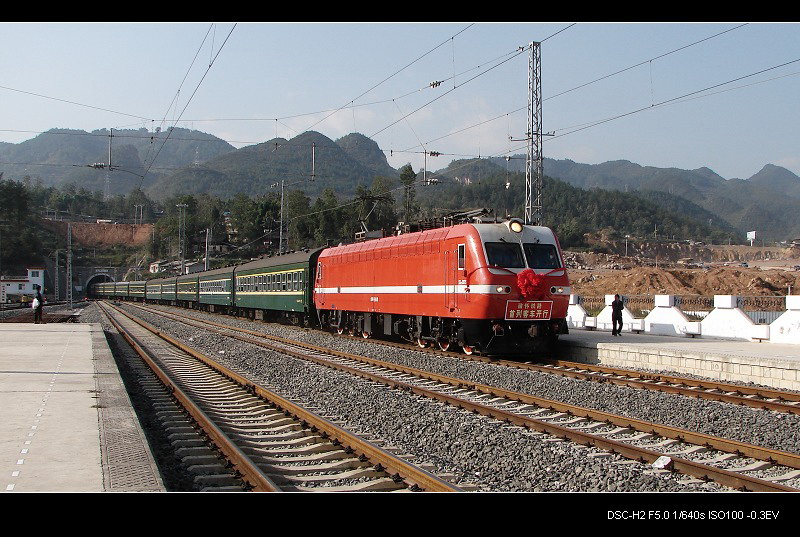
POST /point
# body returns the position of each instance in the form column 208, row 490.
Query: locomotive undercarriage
column 471, row 335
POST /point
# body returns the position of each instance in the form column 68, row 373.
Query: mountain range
column 179, row 161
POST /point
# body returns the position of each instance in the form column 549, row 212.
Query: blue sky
column 688, row 97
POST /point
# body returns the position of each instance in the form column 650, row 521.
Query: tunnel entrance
column 91, row 282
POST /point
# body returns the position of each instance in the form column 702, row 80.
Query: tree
column 384, row 215
column 298, row 222
column 330, row 218
column 408, row 178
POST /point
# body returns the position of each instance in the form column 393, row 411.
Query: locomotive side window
column 542, row 256
column 461, row 256
column 504, row 254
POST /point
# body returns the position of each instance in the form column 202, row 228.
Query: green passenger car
column 216, row 289
column 187, row 288
column 168, row 290
column 277, row 288
column 153, row 290
column 121, row 290
column 136, row 290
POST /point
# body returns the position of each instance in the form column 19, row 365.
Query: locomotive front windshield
column 510, row 255
column 504, row 254
column 542, row 256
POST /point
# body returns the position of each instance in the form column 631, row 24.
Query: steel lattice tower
column 533, row 177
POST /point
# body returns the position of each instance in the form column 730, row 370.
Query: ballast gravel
column 479, row 451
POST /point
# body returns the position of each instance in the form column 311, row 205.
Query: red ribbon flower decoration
column 531, row 285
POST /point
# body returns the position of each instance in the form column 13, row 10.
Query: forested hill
column 310, row 162
column 573, row 211
column 64, row 156
column 186, row 162
column 768, row 202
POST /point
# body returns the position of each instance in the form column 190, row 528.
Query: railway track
column 750, row 396
column 272, row 443
column 733, row 464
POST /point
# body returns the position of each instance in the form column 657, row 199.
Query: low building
column 18, row 286
column 158, row 266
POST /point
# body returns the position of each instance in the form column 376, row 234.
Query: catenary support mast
column 533, row 164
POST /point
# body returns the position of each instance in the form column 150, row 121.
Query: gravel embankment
column 774, row 430
column 480, row 451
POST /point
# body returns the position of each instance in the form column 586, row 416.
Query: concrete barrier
column 725, row 321
column 576, row 314
column 666, row 319
column 786, row 328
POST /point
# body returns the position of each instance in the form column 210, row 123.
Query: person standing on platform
column 37, row 306
column 616, row 316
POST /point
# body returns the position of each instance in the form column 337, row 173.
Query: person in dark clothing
column 616, row 316
column 37, row 312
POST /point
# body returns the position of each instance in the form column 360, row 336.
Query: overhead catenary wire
column 390, row 77
column 608, row 119
column 672, row 100
column 695, row 94
column 351, row 104
column 180, row 86
column 589, row 83
column 211, row 63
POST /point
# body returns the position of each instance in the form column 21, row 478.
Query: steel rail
column 250, row 472
column 730, row 393
column 698, row 383
column 681, row 385
column 731, row 446
column 624, row 379
column 699, row 470
column 415, row 477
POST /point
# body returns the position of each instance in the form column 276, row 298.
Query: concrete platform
column 770, row 364
column 66, row 422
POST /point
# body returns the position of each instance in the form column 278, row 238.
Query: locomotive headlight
column 557, row 290
column 515, row 226
column 503, row 289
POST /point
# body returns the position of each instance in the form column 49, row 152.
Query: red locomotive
column 494, row 288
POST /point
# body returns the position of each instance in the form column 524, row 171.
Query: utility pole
column 208, row 236
column 284, row 185
column 280, row 230
column 69, row 265
column 182, row 230
column 2, row 285
column 55, row 279
column 108, row 181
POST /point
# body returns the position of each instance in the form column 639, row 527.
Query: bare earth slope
column 599, row 274
column 103, row 235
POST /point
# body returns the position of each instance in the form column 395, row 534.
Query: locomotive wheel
column 340, row 331
column 468, row 350
column 366, row 335
column 421, row 342
column 444, row 343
